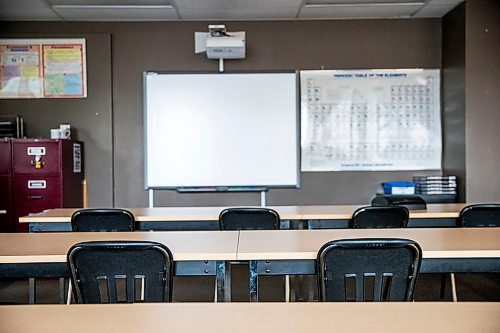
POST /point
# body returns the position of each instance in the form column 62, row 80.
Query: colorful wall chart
column 370, row 120
column 43, row 68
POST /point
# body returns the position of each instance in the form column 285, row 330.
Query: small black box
column 412, row 202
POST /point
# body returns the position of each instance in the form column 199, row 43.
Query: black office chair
column 249, row 219
column 252, row 219
column 121, row 271
column 102, row 219
column 380, row 217
column 476, row 216
column 368, row 269
column 482, row 215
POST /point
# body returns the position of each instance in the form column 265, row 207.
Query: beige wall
column 168, row 46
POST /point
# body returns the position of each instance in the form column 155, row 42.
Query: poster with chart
column 355, row 120
column 43, row 68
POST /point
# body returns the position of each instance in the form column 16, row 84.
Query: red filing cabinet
column 46, row 174
column 6, row 207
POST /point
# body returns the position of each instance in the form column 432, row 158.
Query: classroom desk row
column 206, row 218
column 443, row 317
column 276, row 252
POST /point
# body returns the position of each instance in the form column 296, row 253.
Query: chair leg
column 453, row 287
column 293, row 287
column 216, row 290
column 287, row 288
column 444, row 281
column 70, row 291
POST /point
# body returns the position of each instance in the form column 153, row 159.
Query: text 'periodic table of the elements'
column 370, row 120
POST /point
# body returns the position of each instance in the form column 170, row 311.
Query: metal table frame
column 60, row 270
column 308, row 267
column 214, row 225
column 442, row 222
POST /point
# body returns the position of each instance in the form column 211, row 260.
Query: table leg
column 61, row 291
column 254, row 281
column 31, row 290
column 223, row 281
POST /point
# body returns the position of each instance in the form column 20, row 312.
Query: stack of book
column 434, row 185
column 11, row 126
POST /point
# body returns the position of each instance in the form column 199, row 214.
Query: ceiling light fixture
column 360, row 4
column 112, row 6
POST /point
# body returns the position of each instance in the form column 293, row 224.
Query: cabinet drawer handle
column 35, row 197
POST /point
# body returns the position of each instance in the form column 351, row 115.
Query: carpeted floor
column 470, row 287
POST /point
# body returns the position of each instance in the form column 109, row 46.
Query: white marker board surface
column 386, row 119
column 221, row 130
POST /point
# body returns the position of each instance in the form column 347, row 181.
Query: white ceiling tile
column 433, row 11
column 237, row 4
column 72, row 13
column 446, row 2
column 23, row 4
column 110, row 2
column 361, row 2
column 357, row 12
column 238, row 14
column 218, row 10
column 27, row 14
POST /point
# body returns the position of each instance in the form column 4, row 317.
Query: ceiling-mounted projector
column 219, row 44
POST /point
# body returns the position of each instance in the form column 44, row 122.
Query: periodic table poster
column 370, row 120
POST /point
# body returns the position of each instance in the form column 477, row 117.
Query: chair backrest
column 368, row 269
column 483, row 215
column 102, row 219
column 121, row 271
column 380, row 217
column 249, row 219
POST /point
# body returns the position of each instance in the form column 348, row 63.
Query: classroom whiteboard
column 370, row 120
column 218, row 130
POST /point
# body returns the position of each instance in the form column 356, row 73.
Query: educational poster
column 20, row 71
column 63, row 70
column 355, row 120
column 43, row 68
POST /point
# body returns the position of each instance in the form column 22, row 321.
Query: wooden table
column 206, row 218
column 196, row 253
column 445, row 250
column 278, row 252
column 157, row 219
column 442, row 317
column 333, row 217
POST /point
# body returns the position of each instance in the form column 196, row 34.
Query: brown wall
column 453, row 83
column 167, row 46
column 482, row 77
column 91, row 118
